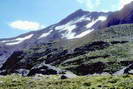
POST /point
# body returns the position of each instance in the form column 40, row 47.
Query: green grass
column 83, row 82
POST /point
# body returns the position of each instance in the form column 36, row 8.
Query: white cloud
column 124, row 2
column 90, row 4
column 97, row 4
column 26, row 25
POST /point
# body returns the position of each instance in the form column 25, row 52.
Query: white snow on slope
column 70, row 26
column 100, row 18
column 17, row 40
column 71, row 23
column 4, row 41
column 66, row 27
column 69, row 34
column 83, row 18
column 45, row 34
column 91, row 24
column 84, row 33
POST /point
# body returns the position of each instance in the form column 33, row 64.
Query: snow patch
column 71, row 23
column 45, row 34
column 93, row 22
column 70, row 26
column 4, row 41
column 69, row 34
column 83, row 18
column 67, row 27
column 102, row 18
column 17, row 40
column 84, row 33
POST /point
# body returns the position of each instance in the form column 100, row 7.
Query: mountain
column 84, row 43
column 108, row 50
column 120, row 17
column 76, row 25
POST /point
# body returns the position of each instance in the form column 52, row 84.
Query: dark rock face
column 24, row 63
column 117, row 42
column 86, row 69
column 100, row 67
column 45, row 69
column 3, row 72
column 97, row 45
column 124, row 16
column 14, row 65
column 13, row 59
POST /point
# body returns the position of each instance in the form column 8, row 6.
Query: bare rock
column 68, row 75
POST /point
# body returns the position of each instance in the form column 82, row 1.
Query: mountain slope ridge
column 78, row 59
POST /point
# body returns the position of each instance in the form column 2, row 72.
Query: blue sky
column 20, row 16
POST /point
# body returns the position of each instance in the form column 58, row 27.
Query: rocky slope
column 109, row 50
column 74, row 44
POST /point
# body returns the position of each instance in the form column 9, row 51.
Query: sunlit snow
column 17, row 40
column 45, row 34
column 101, row 18
column 84, row 33
column 70, row 26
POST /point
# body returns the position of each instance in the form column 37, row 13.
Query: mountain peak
column 79, row 11
column 74, row 15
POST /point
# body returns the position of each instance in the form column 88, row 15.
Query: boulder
column 23, row 72
column 68, row 75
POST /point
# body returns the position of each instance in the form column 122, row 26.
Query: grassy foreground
column 53, row 82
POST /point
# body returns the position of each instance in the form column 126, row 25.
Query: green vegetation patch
column 82, row 82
